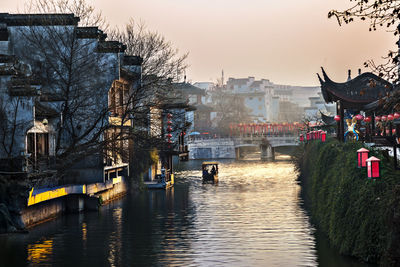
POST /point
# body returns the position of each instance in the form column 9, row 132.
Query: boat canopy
column 210, row 163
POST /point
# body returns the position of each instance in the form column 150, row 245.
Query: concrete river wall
column 47, row 203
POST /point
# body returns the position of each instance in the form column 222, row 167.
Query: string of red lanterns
column 314, row 135
column 169, row 130
column 263, row 128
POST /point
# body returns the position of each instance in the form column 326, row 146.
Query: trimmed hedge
column 358, row 214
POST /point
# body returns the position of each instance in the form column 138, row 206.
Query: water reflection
column 40, row 252
column 114, row 249
column 253, row 217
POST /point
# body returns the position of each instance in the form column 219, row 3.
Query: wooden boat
column 157, row 184
column 162, row 182
column 210, row 171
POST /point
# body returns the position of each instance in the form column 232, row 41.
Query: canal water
column 252, row 217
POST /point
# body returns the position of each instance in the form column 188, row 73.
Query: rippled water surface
column 253, row 217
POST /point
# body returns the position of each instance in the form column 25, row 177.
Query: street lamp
column 362, row 156
column 373, row 167
column 323, row 136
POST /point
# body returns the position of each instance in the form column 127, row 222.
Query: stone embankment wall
column 49, row 203
column 360, row 216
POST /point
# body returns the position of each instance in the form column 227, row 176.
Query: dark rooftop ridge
column 90, row 33
column 111, row 47
column 39, row 19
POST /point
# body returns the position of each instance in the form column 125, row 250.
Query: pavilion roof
column 357, row 92
column 328, row 120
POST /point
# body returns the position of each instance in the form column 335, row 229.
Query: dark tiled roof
column 202, row 107
column 188, row 89
column 328, row 120
column 110, row 47
column 89, row 33
column 43, row 110
column 357, row 92
column 38, row 19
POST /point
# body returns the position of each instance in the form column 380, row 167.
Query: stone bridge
column 266, row 143
column 234, row 147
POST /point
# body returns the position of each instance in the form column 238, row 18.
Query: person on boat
column 213, row 171
column 205, row 173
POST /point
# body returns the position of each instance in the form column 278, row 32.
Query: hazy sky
column 285, row 41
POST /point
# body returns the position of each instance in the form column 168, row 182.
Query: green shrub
column 354, row 211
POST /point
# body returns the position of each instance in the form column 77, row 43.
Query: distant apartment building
column 253, row 94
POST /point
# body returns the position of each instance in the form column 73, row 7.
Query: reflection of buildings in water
column 84, row 232
column 169, row 194
column 40, row 252
column 115, row 246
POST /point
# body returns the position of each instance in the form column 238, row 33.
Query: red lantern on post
column 320, row 134
column 362, row 156
column 308, row 135
column 373, row 167
column 323, row 136
column 301, row 138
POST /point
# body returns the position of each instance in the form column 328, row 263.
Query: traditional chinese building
column 62, row 90
column 353, row 95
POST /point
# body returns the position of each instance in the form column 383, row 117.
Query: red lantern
column 377, row 118
column 396, row 115
column 169, row 129
column 337, row 118
column 323, row 136
column 367, row 119
column 384, row 117
column 169, row 135
column 308, row 136
column 301, row 138
column 390, row 117
column 169, row 116
column 320, row 134
column 373, row 167
column 359, row 117
column 362, row 156
column 169, row 122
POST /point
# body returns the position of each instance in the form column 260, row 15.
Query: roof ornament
column 327, row 79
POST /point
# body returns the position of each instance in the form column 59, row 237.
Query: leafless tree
column 230, row 109
column 162, row 66
column 382, row 13
column 385, row 14
column 75, row 80
column 161, row 61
